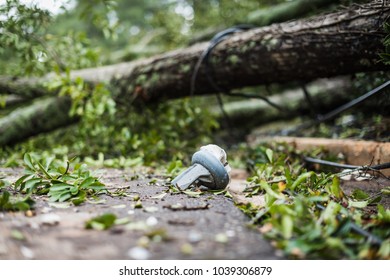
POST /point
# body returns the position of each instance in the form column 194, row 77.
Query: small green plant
column 12, row 203
column 59, row 182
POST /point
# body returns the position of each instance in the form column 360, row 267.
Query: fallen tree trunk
column 340, row 43
column 277, row 13
column 41, row 116
column 345, row 42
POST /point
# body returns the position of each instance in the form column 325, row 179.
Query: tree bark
column 329, row 45
column 41, row 116
column 277, row 13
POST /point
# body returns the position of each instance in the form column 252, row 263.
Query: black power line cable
column 350, row 104
column 347, row 166
column 330, row 115
column 204, row 58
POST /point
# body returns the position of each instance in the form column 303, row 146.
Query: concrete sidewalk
column 168, row 226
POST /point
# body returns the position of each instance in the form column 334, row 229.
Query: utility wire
column 332, row 114
column 337, row 111
column 204, row 58
column 346, row 166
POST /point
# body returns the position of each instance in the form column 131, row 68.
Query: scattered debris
column 50, row 219
column 151, row 221
column 221, row 238
column 151, row 209
column 180, row 207
column 46, row 210
column 119, row 206
column 29, row 213
column 187, row 249
column 59, row 205
column 194, row 236
column 237, row 189
column 27, row 252
column 358, row 175
column 159, row 196
column 137, row 205
column 138, row 225
column 181, row 222
column 17, row 235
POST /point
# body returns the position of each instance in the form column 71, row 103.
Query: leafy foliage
column 59, row 182
column 21, row 30
column 385, row 56
column 119, row 137
column 12, row 203
column 29, row 48
column 308, row 215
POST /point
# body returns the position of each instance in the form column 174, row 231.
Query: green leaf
column 80, row 198
column 287, row 226
column 48, row 176
column 159, row 196
column 301, row 178
column 17, row 235
column 87, row 182
column 357, row 204
column 64, row 197
column 55, row 196
column 60, row 187
column 74, row 190
column 269, row 154
column 102, row 222
column 335, row 188
column 15, row 204
column 386, row 191
column 265, row 186
column 19, row 182
column 330, row 212
column 95, row 225
column 28, row 161
column 48, row 163
column 359, row 194
column 30, row 184
column 384, row 250
column 192, row 194
column 21, row 206
column 4, row 198
column 383, row 214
